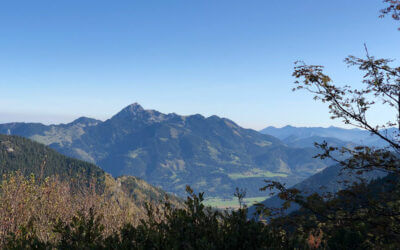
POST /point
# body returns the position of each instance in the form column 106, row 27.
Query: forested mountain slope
column 211, row 154
column 28, row 157
column 329, row 181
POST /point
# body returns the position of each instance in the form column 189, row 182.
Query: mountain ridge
column 211, row 154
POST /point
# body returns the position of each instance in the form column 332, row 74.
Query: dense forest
column 28, row 157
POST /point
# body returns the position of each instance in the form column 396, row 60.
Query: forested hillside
column 28, row 157
column 37, row 182
column 329, row 181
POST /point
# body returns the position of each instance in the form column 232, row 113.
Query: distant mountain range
column 211, row 154
column 331, row 179
column 306, row 136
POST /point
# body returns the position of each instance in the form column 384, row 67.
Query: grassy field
column 255, row 173
column 232, row 202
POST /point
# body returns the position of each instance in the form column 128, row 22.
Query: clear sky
column 63, row 59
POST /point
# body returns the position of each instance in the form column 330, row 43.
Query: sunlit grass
column 255, row 173
column 232, row 202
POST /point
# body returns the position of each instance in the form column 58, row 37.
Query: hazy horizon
column 42, row 118
column 64, row 60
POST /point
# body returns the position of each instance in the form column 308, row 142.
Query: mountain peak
column 133, row 108
column 85, row 121
column 137, row 112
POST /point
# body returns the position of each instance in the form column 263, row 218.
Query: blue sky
column 63, row 59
